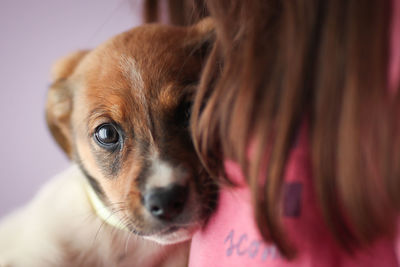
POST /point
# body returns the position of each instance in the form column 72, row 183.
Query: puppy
column 136, row 191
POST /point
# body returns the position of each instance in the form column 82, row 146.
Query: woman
column 297, row 119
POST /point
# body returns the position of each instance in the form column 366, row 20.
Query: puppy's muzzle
column 166, row 203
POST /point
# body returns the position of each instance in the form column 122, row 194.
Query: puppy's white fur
column 61, row 221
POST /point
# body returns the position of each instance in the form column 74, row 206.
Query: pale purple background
column 33, row 34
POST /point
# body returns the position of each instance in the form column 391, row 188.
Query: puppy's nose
column 166, row 203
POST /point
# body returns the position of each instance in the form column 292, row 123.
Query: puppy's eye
column 107, row 135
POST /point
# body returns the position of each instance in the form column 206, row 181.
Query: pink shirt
column 231, row 237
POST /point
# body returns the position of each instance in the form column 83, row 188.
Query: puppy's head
column 121, row 111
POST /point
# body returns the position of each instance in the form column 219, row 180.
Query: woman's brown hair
column 276, row 63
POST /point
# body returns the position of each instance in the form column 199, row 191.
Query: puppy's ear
column 203, row 35
column 205, row 26
column 199, row 42
column 59, row 100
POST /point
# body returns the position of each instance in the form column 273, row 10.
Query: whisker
column 103, row 224
column 97, row 232
column 127, row 242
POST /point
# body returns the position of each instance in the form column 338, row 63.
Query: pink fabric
column 231, row 237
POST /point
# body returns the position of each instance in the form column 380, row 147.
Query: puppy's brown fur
column 136, row 90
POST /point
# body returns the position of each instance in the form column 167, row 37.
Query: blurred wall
column 33, row 34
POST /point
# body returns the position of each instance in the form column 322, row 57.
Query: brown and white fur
column 120, row 112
